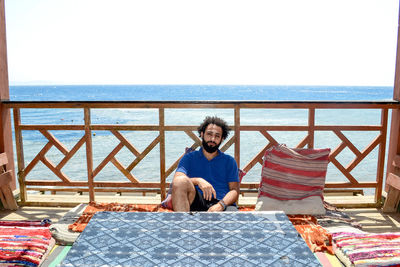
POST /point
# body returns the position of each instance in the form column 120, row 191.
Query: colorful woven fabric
column 45, row 222
column 23, row 245
column 368, row 249
column 94, row 207
column 293, row 174
column 317, row 238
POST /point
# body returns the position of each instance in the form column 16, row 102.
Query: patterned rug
column 190, row 239
column 316, row 237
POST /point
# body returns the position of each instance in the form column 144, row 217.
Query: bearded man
column 207, row 179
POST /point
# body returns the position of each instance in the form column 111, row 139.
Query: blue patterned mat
column 190, row 239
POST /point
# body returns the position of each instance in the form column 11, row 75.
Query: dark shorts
column 200, row 204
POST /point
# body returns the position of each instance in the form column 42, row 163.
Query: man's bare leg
column 183, row 193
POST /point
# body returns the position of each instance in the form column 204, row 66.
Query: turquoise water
column 251, row 142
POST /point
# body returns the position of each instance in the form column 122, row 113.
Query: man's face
column 212, row 138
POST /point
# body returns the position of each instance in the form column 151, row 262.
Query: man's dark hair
column 217, row 121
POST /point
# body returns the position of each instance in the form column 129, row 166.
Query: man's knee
column 182, row 183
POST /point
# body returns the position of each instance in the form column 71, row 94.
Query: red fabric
column 311, row 174
column 317, row 238
column 93, row 207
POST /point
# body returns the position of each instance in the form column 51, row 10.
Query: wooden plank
column 337, row 151
column 20, row 153
column 56, row 171
column 393, row 180
column 5, row 178
column 3, row 159
column 392, row 200
column 396, row 89
column 206, row 104
column 107, row 159
column 378, row 141
column 89, row 152
column 396, row 161
column 10, row 202
column 305, row 128
column 85, row 189
column 55, row 127
column 311, row 127
column 344, row 171
column 269, row 138
column 144, row 153
column 381, row 155
column 194, row 137
column 350, row 185
column 348, row 143
column 304, row 142
column 37, row 158
column 126, row 143
column 63, row 149
column 6, row 140
column 257, row 158
column 71, row 153
column 237, row 134
column 95, row 184
column 161, row 121
column 228, row 144
column 122, row 169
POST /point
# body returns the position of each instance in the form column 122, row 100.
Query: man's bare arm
column 230, row 198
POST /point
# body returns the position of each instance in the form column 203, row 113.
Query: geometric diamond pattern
column 190, row 239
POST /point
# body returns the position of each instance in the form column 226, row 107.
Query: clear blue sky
column 307, row 42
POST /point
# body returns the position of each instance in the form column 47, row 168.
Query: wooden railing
column 132, row 183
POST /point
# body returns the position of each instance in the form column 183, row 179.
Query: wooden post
column 20, row 155
column 311, row 127
column 5, row 118
column 381, row 155
column 237, row 135
column 394, row 141
column 161, row 122
column 89, row 153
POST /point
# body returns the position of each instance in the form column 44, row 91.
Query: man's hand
column 207, row 188
column 216, row 207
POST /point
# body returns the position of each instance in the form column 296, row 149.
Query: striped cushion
column 293, row 174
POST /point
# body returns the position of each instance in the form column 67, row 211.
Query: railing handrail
column 337, row 104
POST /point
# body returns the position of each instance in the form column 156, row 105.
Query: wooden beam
column 393, row 195
column 5, row 117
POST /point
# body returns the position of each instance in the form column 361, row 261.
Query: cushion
column 311, row 205
column 293, row 180
column 60, row 231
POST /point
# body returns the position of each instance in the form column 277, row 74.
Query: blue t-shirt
column 219, row 171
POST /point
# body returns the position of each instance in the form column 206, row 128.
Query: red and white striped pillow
column 293, row 178
column 289, row 174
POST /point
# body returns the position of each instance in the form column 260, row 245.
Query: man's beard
column 210, row 149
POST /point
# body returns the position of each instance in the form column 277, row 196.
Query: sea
column 251, row 142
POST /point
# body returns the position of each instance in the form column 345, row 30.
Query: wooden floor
column 371, row 218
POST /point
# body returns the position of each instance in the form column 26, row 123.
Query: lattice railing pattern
column 159, row 140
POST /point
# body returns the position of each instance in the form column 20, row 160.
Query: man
column 207, row 179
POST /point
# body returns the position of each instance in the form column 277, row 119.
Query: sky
column 243, row 42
